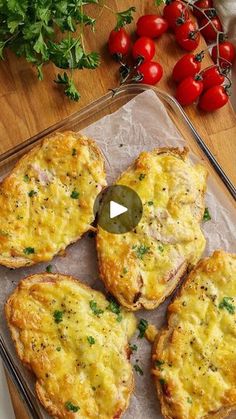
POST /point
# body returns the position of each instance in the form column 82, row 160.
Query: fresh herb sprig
column 43, row 31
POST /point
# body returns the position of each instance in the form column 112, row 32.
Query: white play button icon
column 116, row 209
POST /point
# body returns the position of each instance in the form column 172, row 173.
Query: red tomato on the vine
column 119, row 43
column 187, row 35
column 226, row 52
column 202, row 4
column 151, row 72
column 175, row 10
column 188, row 65
column 208, row 32
column 212, row 77
column 152, row 26
column 143, row 49
column 188, row 91
column 214, row 98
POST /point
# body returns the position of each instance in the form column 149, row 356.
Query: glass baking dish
column 77, row 122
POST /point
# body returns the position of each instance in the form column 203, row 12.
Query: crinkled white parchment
column 142, row 124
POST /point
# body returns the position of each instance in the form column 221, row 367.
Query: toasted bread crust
column 53, row 402
column 16, row 187
column 164, row 340
column 131, row 294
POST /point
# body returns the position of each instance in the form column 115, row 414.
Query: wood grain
column 29, row 106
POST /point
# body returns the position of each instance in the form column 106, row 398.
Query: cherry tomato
column 187, row 35
column 143, row 49
column 202, row 4
column 119, row 43
column 175, row 10
column 188, row 90
column 151, row 71
column 209, row 32
column 214, row 98
column 152, row 26
column 188, row 65
column 211, row 77
column 227, row 54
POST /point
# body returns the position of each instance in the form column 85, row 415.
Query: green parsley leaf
column 141, row 250
column 26, row 178
column 124, row 18
column 142, row 327
column 114, row 307
column 133, row 347
column 70, row 88
column 227, row 305
column 141, row 176
column 162, row 381
column 58, row 349
column 91, row 340
column 32, row 193
column 94, row 307
column 70, row 407
column 161, row 248
column 189, row 400
column 29, row 251
column 159, row 364
column 159, row 2
column 58, row 316
column 119, row 318
column 150, row 203
column 74, row 195
column 207, row 215
column 49, row 268
column 138, row 369
column 74, row 152
column 125, row 271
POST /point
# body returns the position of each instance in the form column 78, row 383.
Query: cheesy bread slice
column 194, row 357
column 142, row 267
column 46, row 202
column 76, row 343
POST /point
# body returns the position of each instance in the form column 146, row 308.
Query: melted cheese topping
column 195, row 358
column 47, row 201
column 76, row 349
column 141, row 267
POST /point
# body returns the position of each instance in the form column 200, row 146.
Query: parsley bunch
column 44, row 31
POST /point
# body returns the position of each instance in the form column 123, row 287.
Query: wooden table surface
column 29, row 106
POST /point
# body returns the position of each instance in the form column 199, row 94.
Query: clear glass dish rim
column 97, row 105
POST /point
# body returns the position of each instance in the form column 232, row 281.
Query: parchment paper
column 142, row 124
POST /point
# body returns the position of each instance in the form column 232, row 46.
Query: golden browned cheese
column 194, row 358
column 46, row 202
column 76, row 344
column 142, row 267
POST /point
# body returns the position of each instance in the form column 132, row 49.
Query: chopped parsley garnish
column 142, row 327
column 162, row 381
column 225, row 303
column 207, row 215
column 94, row 307
column 133, row 347
column 58, row 349
column 159, row 364
column 74, row 152
column 29, row 251
column 90, row 340
column 142, row 176
column 150, row 203
column 115, row 308
column 138, row 369
column 125, row 271
column 141, row 250
column 71, row 407
column 49, row 268
column 32, row 193
column 58, row 316
column 189, row 400
column 26, row 178
column 74, row 194
column 161, row 248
